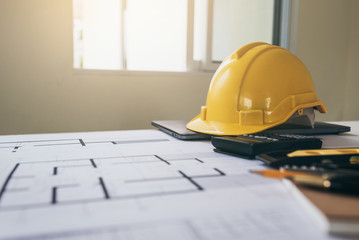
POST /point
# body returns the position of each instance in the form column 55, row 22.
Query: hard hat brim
column 225, row 128
column 220, row 128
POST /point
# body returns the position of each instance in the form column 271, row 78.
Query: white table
column 143, row 184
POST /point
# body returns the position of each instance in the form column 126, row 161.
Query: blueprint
column 140, row 184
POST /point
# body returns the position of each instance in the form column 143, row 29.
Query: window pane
column 156, row 35
column 97, row 42
column 238, row 22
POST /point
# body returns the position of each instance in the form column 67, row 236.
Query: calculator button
column 258, row 136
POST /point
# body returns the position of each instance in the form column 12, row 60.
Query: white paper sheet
column 139, row 185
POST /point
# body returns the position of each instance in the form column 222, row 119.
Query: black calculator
column 250, row 145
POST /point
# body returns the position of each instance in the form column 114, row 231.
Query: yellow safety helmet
column 258, row 87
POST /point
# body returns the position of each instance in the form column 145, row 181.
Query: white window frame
column 281, row 36
column 205, row 63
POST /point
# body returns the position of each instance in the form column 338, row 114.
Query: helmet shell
column 258, row 87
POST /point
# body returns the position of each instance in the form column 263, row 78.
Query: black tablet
column 177, row 129
column 320, row 128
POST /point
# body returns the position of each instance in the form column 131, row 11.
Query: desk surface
column 143, row 184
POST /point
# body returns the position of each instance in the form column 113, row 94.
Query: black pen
column 316, row 170
column 334, row 166
column 346, row 184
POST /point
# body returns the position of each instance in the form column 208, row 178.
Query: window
column 168, row 35
column 237, row 22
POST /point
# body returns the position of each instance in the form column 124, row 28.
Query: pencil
column 272, row 173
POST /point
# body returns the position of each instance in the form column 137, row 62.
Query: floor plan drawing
column 137, row 185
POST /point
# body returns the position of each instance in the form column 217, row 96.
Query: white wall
column 326, row 42
column 351, row 109
column 39, row 92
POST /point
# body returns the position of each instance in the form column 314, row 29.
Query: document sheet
column 140, row 184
